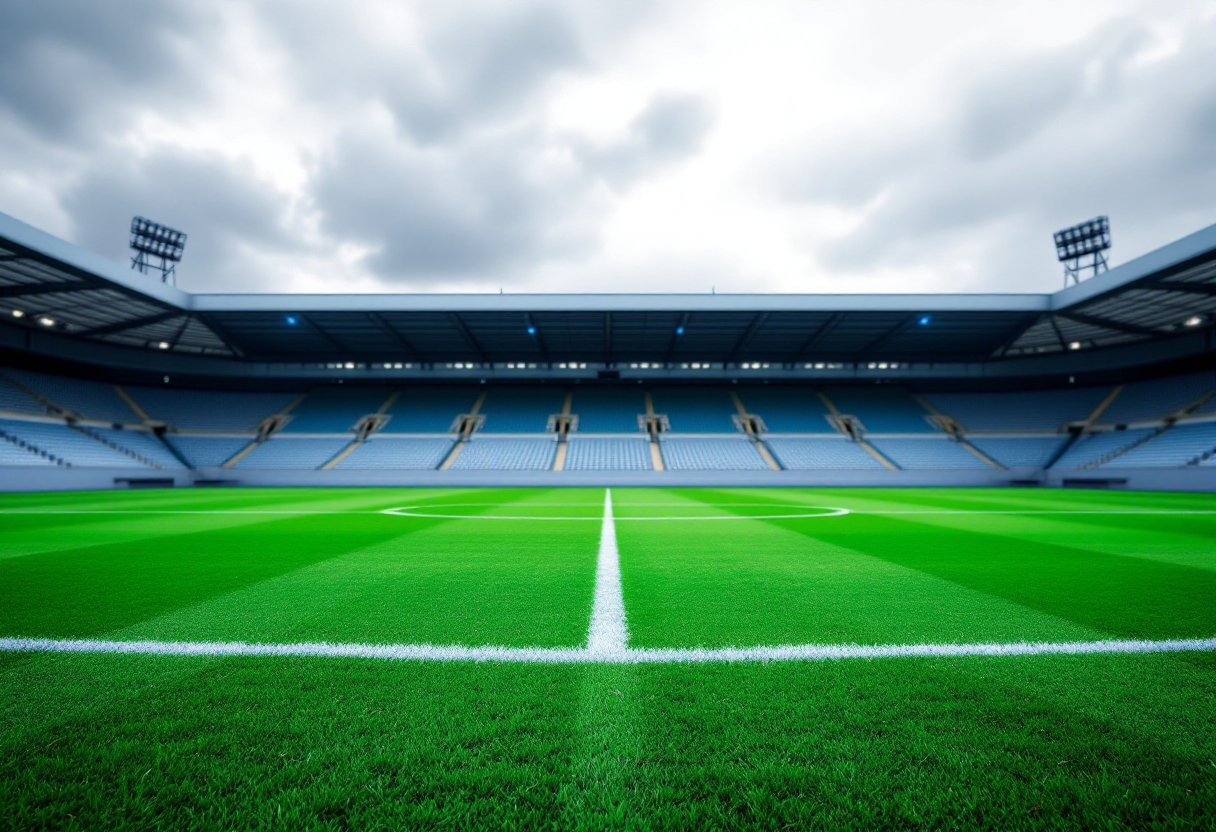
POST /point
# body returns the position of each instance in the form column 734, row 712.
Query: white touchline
column 608, row 634
column 582, row 655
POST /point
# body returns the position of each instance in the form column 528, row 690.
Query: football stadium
column 606, row 561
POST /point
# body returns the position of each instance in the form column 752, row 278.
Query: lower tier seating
column 1019, row 451
column 72, row 446
column 921, row 454
column 608, row 455
column 208, row 451
column 481, row 453
column 1092, row 447
column 144, row 444
column 384, row 452
column 1177, row 446
column 813, row 454
column 711, row 455
column 288, row 452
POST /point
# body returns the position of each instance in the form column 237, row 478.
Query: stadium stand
column 522, row 409
column 292, row 452
column 335, row 410
column 15, row 400
column 788, row 409
column 430, row 409
column 1091, row 448
column 1180, row 445
column 141, row 444
column 1143, row 401
column 800, row 454
column 608, row 409
column 695, row 409
column 595, row 454
column 486, row 454
column 1018, row 451
column 1024, row 411
column 72, row 446
column 208, row 451
column 90, row 399
column 727, row 454
column 14, row 450
column 403, row 453
column 927, row 453
column 883, row 410
column 187, row 410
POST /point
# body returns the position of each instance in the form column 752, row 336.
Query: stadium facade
column 110, row 377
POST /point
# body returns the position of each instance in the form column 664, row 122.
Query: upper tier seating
column 608, row 409
column 335, row 410
column 813, row 454
column 1092, row 446
column 1041, row 410
column 881, row 410
column 16, row 400
column 1142, row 401
column 711, row 455
column 142, row 443
column 430, row 409
column 189, row 410
column 695, row 409
column 208, row 451
column 507, row 454
column 70, row 445
column 1021, row 451
column 90, row 399
column 931, row 452
column 608, row 454
column 400, row 453
column 521, row 409
column 788, row 409
column 1177, row 446
column 289, row 452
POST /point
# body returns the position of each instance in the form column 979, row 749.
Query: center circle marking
column 422, row 511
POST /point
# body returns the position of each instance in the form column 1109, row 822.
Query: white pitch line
column 579, row 655
column 608, row 635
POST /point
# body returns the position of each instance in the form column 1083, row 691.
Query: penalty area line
column 584, row 655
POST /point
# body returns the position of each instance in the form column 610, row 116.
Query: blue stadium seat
column 328, row 410
column 74, row 447
column 711, row 455
column 788, row 409
column 882, row 410
column 1019, row 451
column 928, row 453
column 593, row 454
column 386, row 452
column 188, row 410
column 813, row 454
column 482, row 453
column 142, row 443
column 15, row 400
column 291, row 452
column 430, row 409
column 1039, row 410
column 608, row 409
column 695, row 409
column 1093, row 446
column 521, row 409
column 1177, row 446
column 91, row 399
column 208, row 451
column 1142, row 401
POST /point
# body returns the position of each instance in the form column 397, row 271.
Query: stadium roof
column 48, row 284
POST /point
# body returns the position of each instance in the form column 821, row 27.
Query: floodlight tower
column 157, row 247
column 1083, row 247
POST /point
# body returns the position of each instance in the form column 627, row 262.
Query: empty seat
column 608, row 455
column 208, row 451
column 289, row 452
column 507, row 454
column 711, row 455
column 813, row 454
column 400, row 453
column 928, row 453
column 1019, row 451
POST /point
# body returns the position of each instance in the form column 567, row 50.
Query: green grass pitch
column 1109, row 740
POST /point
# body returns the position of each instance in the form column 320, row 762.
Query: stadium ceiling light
column 1075, row 345
column 164, row 345
column 679, row 330
column 291, row 320
column 46, row 321
column 531, row 330
column 924, row 320
column 17, row 313
column 1194, row 320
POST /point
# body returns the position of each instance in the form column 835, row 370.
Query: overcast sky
column 616, row 146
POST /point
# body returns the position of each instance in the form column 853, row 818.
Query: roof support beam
column 741, row 344
column 1059, row 335
column 899, row 328
column 463, row 329
column 1208, row 289
column 540, row 339
column 325, row 335
column 27, row 289
column 607, row 338
column 219, row 331
column 820, row 334
column 392, row 332
column 1106, row 323
column 131, row 323
column 675, row 336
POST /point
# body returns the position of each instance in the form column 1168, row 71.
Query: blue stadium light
column 531, row 330
column 679, row 330
column 924, row 320
column 291, row 319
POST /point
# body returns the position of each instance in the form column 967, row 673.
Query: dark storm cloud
column 1035, row 146
column 225, row 209
column 66, row 65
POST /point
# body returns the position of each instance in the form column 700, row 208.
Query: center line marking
column 608, row 635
